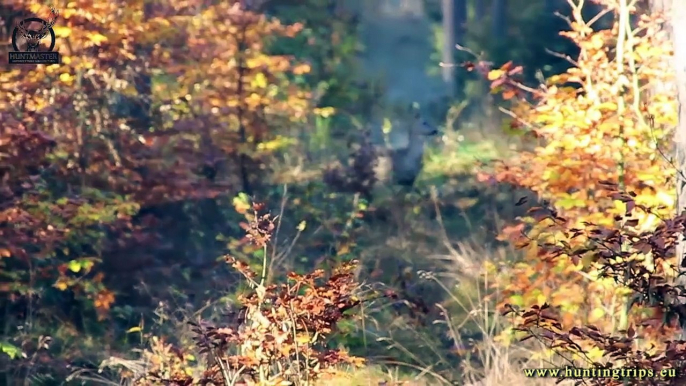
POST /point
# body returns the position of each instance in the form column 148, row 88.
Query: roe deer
column 405, row 151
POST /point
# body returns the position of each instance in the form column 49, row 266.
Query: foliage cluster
column 602, row 120
column 156, row 113
column 279, row 335
column 620, row 257
column 159, row 112
column 599, row 247
column 118, row 162
column 526, row 33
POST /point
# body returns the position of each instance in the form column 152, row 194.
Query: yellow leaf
column 609, row 106
column 61, row 285
column 66, row 78
column 495, row 74
column 134, row 329
column 254, row 62
column 303, row 339
column 343, row 249
column 596, row 315
column 74, row 266
column 61, row 31
column 597, row 41
column 324, row 112
column 253, row 100
column 260, row 81
column 241, row 203
column 595, row 353
column 67, row 13
column 97, row 38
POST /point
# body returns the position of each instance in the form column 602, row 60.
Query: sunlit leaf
column 74, row 266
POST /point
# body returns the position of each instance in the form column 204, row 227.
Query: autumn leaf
column 74, row 266
column 61, row 285
column 495, row 74
column 61, row 31
column 103, row 300
column 509, row 94
column 97, row 38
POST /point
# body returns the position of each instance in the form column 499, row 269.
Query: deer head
column 410, row 129
column 33, row 38
column 420, row 128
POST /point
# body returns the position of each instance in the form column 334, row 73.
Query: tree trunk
column 665, row 7
column 499, row 26
column 460, row 18
column 479, row 10
column 448, row 9
column 678, row 35
column 460, row 11
column 142, row 81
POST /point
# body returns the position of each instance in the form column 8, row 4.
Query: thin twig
column 513, row 115
column 563, row 56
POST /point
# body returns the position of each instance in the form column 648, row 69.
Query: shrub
column 279, row 335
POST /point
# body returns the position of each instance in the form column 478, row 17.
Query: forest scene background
column 189, row 196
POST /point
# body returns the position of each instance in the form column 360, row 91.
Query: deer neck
column 415, row 148
column 399, row 139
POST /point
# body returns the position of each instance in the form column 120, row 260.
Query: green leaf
column 87, row 265
column 74, row 266
column 12, row 351
column 517, row 300
column 241, row 203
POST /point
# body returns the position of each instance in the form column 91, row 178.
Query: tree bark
column 142, row 81
column 480, row 10
column 460, row 11
column 665, row 7
column 499, row 25
column 448, row 8
column 678, row 35
column 460, row 18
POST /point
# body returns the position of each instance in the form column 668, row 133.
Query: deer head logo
column 31, row 36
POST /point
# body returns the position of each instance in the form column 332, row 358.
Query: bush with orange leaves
column 279, row 335
column 594, row 281
column 653, row 302
column 608, row 118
